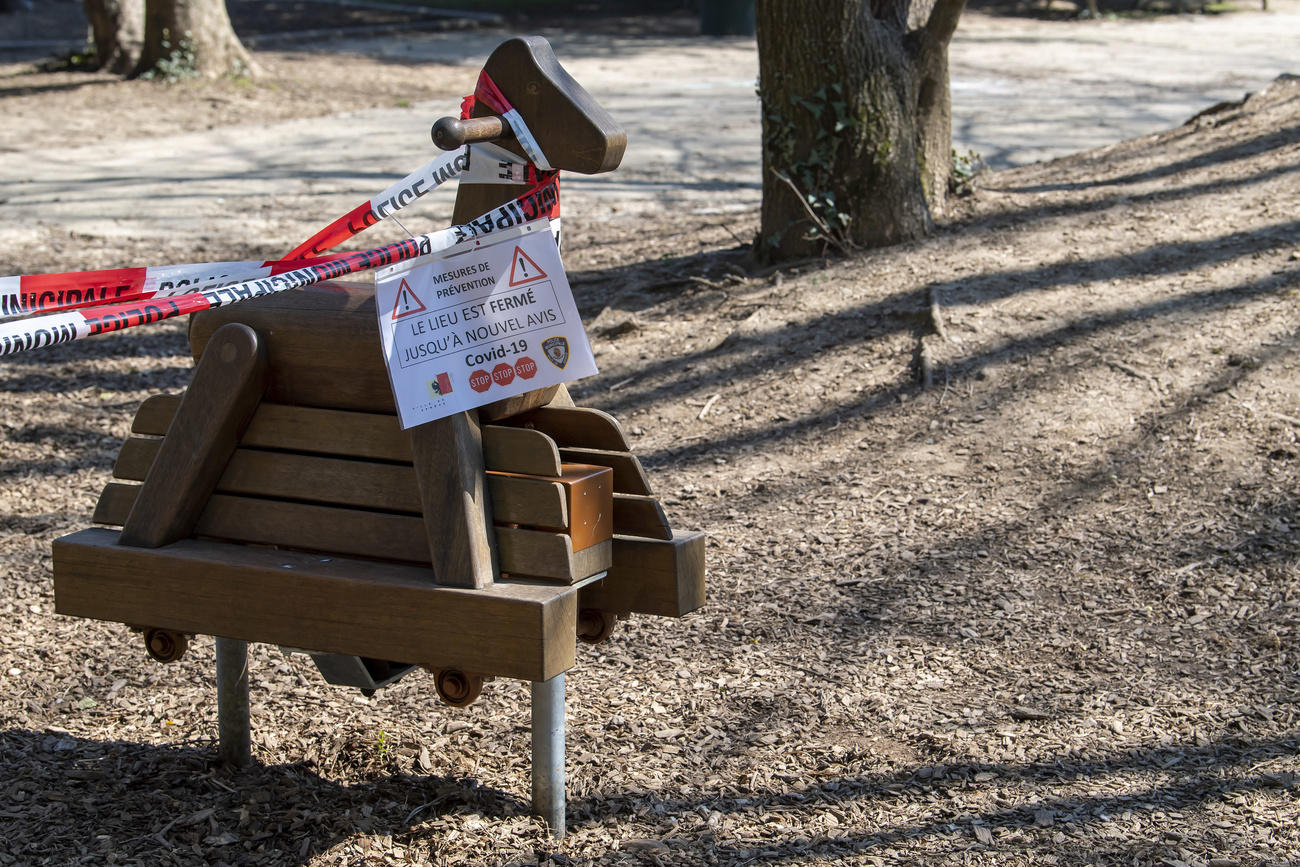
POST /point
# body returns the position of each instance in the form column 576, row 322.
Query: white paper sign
column 474, row 327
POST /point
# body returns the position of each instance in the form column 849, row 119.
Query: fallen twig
column 1136, row 374
column 708, row 405
column 812, row 215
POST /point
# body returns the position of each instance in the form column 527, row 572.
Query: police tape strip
column 477, row 164
column 491, row 96
column 56, row 328
column 48, row 293
column 471, row 164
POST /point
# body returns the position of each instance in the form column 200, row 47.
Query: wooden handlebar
column 450, row 133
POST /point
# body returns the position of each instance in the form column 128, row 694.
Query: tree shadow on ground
column 197, row 812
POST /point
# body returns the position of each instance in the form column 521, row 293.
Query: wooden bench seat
column 312, row 531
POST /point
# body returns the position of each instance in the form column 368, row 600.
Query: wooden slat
column 358, row 533
column 136, row 457
column 288, row 476
column 227, row 386
column 299, row 428
column 328, row 432
column 332, row 605
column 308, row 527
column 519, row 403
column 538, row 554
column 531, row 502
column 155, row 415
column 312, row 478
column 519, row 450
column 649, row 576
column 576, row 427
column 640, row 516
column 629, row 476
column 115, row 503
column 325, row 529
column 362, row 484
column 361, row 434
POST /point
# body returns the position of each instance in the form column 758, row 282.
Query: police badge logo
column 557, row 351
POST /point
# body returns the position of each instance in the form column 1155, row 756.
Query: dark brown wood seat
column 323, row 503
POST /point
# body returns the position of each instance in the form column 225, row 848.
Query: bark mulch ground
column 1044, row 610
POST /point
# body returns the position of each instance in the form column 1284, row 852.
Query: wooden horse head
column 571, row 128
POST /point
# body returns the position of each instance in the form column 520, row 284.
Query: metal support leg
column 548, row 752
column 234, row 736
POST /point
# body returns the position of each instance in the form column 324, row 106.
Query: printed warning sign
column 407, row 304
column 523, row 269
column 495, row 320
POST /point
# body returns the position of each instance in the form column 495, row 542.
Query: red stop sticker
column 480, row 380
column 503, row 374
column 525, row 368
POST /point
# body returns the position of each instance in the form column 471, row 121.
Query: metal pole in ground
column 234, row 735
column 548, row 752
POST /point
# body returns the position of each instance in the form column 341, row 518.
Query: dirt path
column 160, row 180
column 1046, row 610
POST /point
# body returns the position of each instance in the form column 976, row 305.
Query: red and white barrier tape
column 55, row 328
column 471, row 164
column 490, row 95
column 111, row 300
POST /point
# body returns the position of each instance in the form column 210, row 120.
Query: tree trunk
column 857, row 128
column 118, row 30
column 185, row 38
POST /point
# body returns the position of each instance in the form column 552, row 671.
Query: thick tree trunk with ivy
column 857, row 125
column 117, row 27
column 188, row 38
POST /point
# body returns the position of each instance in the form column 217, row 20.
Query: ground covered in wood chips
column 1044, row 609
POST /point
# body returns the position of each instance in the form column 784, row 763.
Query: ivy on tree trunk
column 857, row 125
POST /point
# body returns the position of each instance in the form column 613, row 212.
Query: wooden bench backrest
column 341, row 482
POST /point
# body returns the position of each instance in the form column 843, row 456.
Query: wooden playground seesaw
column 277, row 499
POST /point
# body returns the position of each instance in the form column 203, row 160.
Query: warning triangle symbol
column 407, row 303
column 523, row 269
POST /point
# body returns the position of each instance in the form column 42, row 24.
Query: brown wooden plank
column 136, row 457
column 549, row 556
column 640, row 516
column 519, row 450
column 576, row 427
column 532, row 502
column 649, row 576
column 329, row 432
column 322, row 342
column 629, row 476
column 314, row 478
column 155, row 415
column 299, row 428
column 588, row 502
column 309, row 527
column 324, row 529
column 359, row 533
column 519, row 403
column 527, row 500
column 332, row 605
column 448, row 460
column 562, row 397
column 115, row 503
column 228, row 384
column 284, row 475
